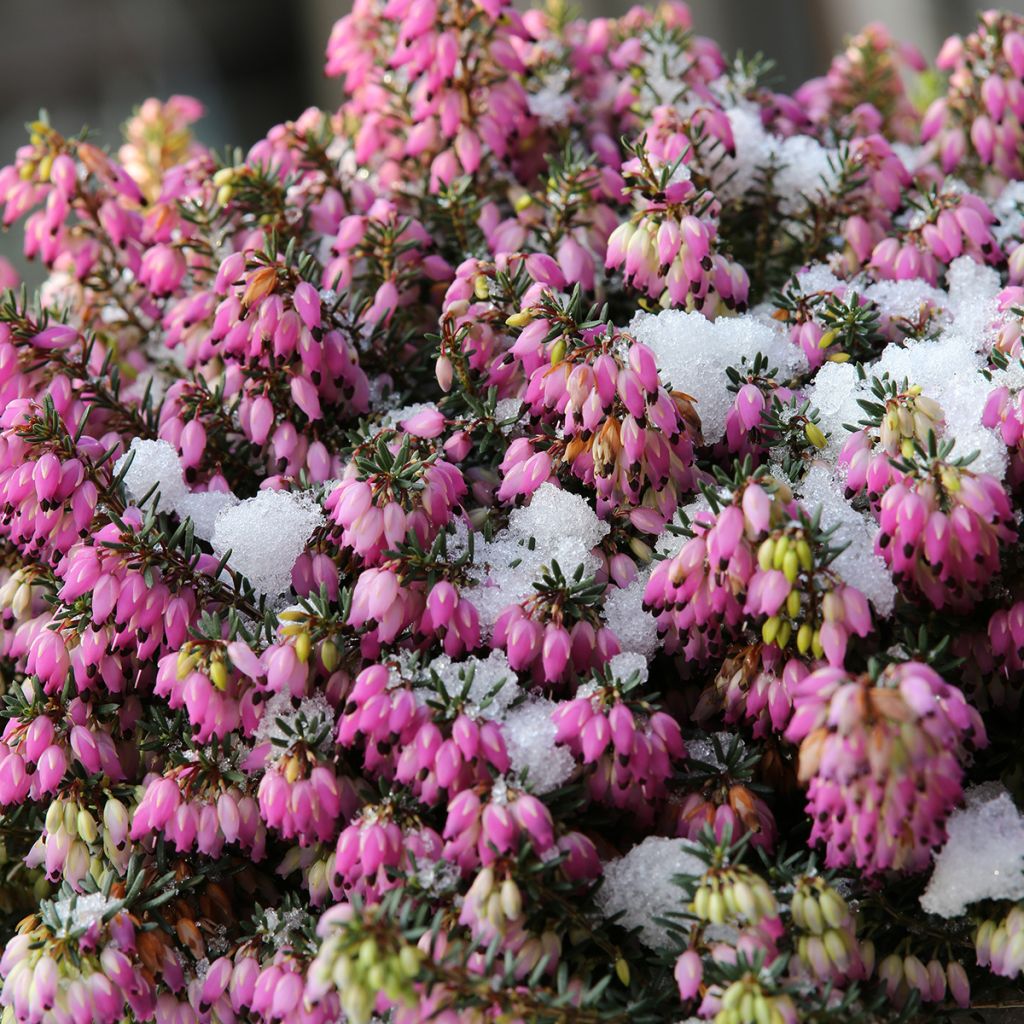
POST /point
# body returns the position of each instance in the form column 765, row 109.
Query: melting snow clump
column 153, row 462
column 530, row 740
column 265, row 535
column 625, row 616
column 553, row 513
column 858, row 565
column 555, row 527
column 203, row 507
column 626, row 665
column 983, row 857
column 279, row 709
column 693, row 354
column 157, row 462
column 640, row 886
column 493, row 685
column 78, row 912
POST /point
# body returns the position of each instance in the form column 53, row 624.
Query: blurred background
column 258, row 63
column 88, row 62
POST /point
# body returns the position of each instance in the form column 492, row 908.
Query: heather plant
column 537, row 543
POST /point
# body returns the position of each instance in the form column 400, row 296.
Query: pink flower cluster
column 539, row 541
column 883, row 759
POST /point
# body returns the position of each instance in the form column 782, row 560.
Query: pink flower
column 865, row 746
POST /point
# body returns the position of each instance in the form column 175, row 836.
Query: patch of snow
column 983, row 858
column 640, row 887
column 265, row 535
column 693, row 354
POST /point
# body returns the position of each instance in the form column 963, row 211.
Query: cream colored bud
column 511, row 899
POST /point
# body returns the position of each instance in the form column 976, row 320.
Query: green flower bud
column 716, row 908
column 329, row 655
column 745, row 901
column 813, row 921
column 818, row 650
column 409, row 959
column 804, row 553
column 815, row 435
column 520, row 319
column 219, row 675
column 511, row 899
column 803, row 638
column 833, row 908
column 367, row 955
column 622, row 971
column 86, row 825
column 836, row 947
column 785, row 633
column 700, row 902
column 54, row 816
column 781, row 550
column 791, row 565
column 376, row 976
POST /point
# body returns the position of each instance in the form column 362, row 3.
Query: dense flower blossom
column 755, row 559
column 616, row 427
column 977, row 123
column 539, row 541
column 883, row 760
column 863, row 89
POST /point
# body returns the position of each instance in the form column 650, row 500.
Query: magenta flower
column 436, row 542
column 884, row 762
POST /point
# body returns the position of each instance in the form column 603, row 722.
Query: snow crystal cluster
column 1009, row 211
column 904, row 300
column 283, row 927
column 150, row 466
column 947, row 367
column 554, row 516
column 806, row 172
column 265, row 536
column 983, row 858
column 436, row 877
column 556, row 527
column 703, row 750
column 203, row 508
column 693, row 352
column 625, row 616
column 530, row 740
column 858, row 565
column 526, row 724
column 507, row 411
column 281, row 721
column 154, row 468
column 639, row 886
column 552, row 103
column 627, row 666
column 799, row 170
column 78, row 912
column 493, row 686
column 834, row 392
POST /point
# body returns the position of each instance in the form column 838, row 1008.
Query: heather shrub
column 539, row 542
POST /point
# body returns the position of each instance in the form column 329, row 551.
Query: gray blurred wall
column 259, row 62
